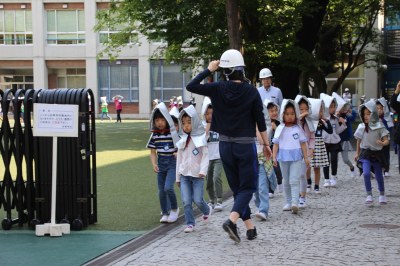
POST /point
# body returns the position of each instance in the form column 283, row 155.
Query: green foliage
column 274, row 33
column 189, row 28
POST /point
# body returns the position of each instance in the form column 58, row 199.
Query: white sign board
column 55, row 120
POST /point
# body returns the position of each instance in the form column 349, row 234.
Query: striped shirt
column 162, row 143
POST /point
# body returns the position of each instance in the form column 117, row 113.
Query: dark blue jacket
column 237, row 107
column 347, row 134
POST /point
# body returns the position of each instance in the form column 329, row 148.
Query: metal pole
column 54, row 182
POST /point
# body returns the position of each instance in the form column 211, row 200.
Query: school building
column 51, row 44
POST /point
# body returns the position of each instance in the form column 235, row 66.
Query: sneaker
column 206, row 218
column 287, row 207
column 327, row 183
column 262, row 216
column 231, row 229
column 219, row 207
column 386, row 174
column 352, row 173
column 369, row 201
column 251, row 234
column 164, row 219
column 308, row 189
column 316, row 191
column 280, row 188
column 271, row 195
column 173, row 216
column 295, row 208
column 382, row 200
column 333, row 182
column 189, row 229
column 302, row 203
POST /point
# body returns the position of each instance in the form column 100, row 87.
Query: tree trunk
column 306, row 38
column 304, row 85
column 232, row 16
column 319, row 83
column 288, row 82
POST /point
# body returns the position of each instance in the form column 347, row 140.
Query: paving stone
column 328, row 232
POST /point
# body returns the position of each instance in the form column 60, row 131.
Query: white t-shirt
column 213, row 145
column 289, row 143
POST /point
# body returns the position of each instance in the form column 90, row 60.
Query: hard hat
column 265, row 73
column 347, row 89
column 231, row 58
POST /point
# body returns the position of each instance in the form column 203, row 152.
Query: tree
column 356, row 31
column 234, row 29
column 349, row 38
column 300, row 40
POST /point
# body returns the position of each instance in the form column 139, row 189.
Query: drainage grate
column 380, row 226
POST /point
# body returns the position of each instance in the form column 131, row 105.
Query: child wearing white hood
column 162, row 156
column 386, row 119
column 290, row 149
column 191, row 165
column 371, row 137
column 214, row 180
column 332, row 141
column 307, row 125
column 320, row 155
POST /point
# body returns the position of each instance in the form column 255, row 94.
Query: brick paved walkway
column 335, row 229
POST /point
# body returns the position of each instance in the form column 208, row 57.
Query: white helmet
column 265, row 73
column 231, row 58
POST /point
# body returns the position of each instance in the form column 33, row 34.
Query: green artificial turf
column 127, row 197
column 127, row 186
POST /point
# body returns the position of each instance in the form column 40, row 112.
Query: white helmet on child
column 231, row 58
column 265, row 73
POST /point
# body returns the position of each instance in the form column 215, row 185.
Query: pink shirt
column 118, row 104
column 309, row 135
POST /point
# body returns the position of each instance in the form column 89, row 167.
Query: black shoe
column 251, row 233
column 231, row 229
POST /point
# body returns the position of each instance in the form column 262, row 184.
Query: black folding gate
column 25, row 186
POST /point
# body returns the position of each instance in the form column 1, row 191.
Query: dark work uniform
column 237, row 109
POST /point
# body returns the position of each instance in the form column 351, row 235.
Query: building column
column 91, row 50
column 371, row 89
column 40, row 73
column 144, row 80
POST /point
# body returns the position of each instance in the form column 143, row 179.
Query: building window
column 15, row 27
column 354, row 81
column 109, row 30
column 65, row 27
column 120, row 77
column 16, row 82
column 105, row 37
column 71, row 78
column 392, row 21
column 168, row 80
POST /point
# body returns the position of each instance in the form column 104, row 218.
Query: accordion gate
column 26, row 161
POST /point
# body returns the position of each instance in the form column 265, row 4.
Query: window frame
column 64, row 41
column 133, row 85
column 27, row 36
column 110, row 30
column 180, row 91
